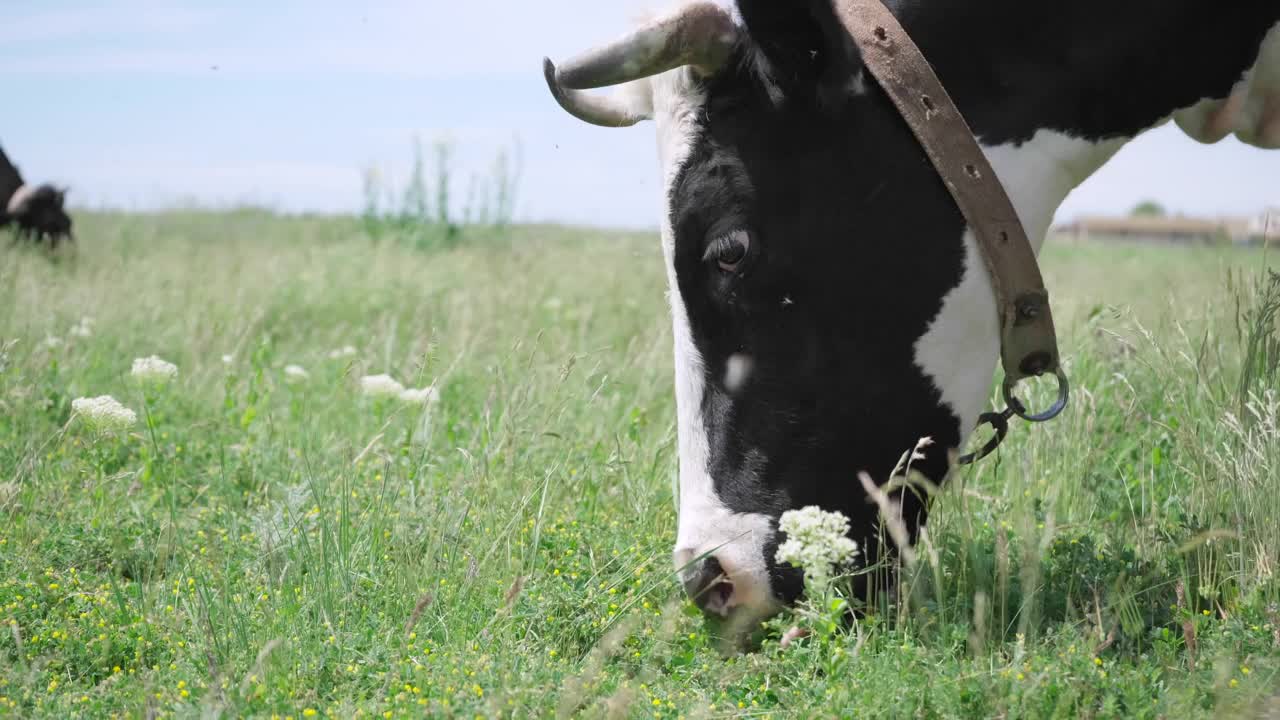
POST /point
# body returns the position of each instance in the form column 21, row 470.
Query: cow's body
column 854, row 314
column 37, row 210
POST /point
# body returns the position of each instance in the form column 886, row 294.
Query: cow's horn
column 605, row 111
column 700, row 35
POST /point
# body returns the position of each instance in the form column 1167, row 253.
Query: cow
column 37, row 210
column 829, row 305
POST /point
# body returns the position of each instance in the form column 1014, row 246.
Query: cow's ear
column 804, row 47
column 62, row 194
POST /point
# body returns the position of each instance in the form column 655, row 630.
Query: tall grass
column 1188, row 488
column 426, row 213
column 264, row 547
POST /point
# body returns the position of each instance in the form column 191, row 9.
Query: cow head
column 801, row 241
column 829, row 308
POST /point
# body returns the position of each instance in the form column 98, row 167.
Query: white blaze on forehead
column 706, row 525
column 960, row 348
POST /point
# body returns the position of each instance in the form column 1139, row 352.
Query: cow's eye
column 730, row 249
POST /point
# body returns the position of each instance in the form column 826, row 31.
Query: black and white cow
column 829, row 305
column 37, row 210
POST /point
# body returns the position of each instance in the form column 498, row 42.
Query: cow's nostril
column 709, row 587
column 718, row 597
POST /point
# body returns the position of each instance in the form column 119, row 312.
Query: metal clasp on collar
column 999, row 422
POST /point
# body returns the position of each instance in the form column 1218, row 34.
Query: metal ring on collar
column 1064, row 392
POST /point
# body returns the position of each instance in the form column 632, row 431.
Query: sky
column 142, row 104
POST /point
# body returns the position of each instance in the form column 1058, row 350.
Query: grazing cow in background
column 37, row 211
column 830, row 306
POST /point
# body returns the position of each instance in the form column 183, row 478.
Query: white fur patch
column 960, row 348
column 737, row 370
column 19, row 200
column 705, row 526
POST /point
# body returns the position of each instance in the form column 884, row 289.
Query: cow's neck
column 1052, row 97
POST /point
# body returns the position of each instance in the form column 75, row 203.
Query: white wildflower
column 228, row 359
column 82, row 329
column 815, row 541
column 52, row 341
column 343, row 352
column 419, row 396
column 380, row 386
column 103, row 413
column 153, row 370
column 296, row 374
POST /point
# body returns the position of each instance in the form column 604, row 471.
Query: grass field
column 264, row 545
